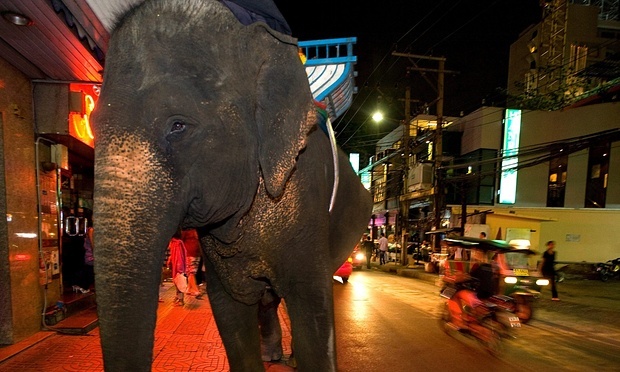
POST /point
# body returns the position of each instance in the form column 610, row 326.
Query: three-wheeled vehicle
column 513, row 275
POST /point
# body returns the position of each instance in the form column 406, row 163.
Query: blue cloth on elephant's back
column 250, row 11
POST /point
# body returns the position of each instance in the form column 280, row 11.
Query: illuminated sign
column 79, row 120
column 366, row 179
column 354, row 159
column 512, row 132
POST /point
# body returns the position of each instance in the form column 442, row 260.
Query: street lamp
column 377, row 116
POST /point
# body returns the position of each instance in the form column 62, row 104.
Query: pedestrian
column 383, row 247
column 547, row 267
column 177, row 262
column 192, row 245
column 483, row 235
column 424, row 252
column 87, row 274
column 369, row 246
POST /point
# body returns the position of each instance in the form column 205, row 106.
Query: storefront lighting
column 22, row 257
column 26, row 235
column 16, row 18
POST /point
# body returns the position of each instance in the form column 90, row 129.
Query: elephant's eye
column 177, row 126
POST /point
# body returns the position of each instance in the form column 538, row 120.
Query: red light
column 22, row 257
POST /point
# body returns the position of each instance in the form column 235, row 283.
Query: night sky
column 474, row 37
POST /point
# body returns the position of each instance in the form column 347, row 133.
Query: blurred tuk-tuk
column 512, row 274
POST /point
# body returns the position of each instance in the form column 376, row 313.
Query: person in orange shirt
column 177, row 262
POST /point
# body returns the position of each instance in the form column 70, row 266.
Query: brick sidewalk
column 186, row 339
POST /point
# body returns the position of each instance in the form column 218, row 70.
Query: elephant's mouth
column 245, row 276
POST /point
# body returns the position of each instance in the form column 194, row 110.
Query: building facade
column 570, row 54
column 529, row 173
column 51, row 58
column 557, row 175
column 566, row 179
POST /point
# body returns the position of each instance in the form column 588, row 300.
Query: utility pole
column 404, row 205
column 439, row 187
column 438, row 150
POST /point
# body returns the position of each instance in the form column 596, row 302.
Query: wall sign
column 512, row 132
column 79, row 120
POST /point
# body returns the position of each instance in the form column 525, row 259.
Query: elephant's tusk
column 332, row 142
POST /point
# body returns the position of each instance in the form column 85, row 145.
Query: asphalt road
column 387, row 322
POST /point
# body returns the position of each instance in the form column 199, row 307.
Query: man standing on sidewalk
column 547, row 267
column 383, row 247
column 369, row 247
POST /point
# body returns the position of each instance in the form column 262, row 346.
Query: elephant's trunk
column 130, row 239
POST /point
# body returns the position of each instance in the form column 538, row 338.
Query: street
column 384, row 322
column 399, row 316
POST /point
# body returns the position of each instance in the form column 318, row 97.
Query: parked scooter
column 487, row 320
column 608, row 270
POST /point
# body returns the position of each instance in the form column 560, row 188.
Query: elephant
column 209, row 123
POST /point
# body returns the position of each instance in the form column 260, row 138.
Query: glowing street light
column 377, row 116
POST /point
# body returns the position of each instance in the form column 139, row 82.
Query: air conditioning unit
column 420, row 177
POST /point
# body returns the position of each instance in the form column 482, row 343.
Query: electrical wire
column 376, row 69
column 371, row 141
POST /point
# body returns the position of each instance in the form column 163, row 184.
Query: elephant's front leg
column 237, row 324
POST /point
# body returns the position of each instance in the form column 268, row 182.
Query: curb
column 407, row 271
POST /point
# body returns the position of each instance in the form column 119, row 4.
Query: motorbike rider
column 465, row 309
column 472, row 286
column 487, row 274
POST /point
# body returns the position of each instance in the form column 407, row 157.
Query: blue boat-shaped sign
column 330, row 68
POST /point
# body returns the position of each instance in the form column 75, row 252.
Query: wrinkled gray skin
column 208, row 123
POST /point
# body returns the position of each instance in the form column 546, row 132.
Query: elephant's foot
column 271, row 350
column 271, row 355
column 291, row 362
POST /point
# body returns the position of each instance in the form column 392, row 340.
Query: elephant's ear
column 284, row 109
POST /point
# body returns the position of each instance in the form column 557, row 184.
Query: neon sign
column 508, row 181
column 79, row 122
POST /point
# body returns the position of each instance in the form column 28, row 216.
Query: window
column 598, row 167
column 578, row 57
column 556, row 186
column 531, row 81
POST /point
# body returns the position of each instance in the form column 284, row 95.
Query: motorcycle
column 419, row 252
column 487, row 320
column 609, row 269
column 513, row 276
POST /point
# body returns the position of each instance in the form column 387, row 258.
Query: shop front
column 65, row 158
column 47, row 166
